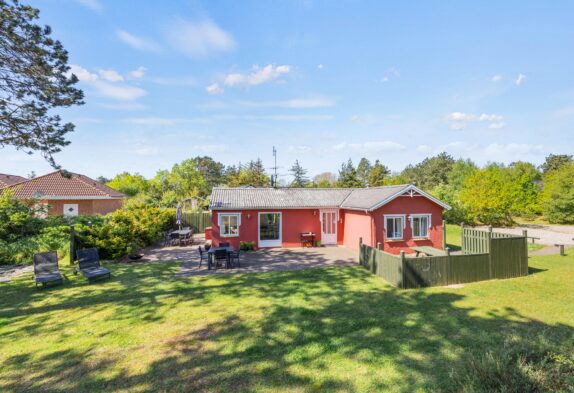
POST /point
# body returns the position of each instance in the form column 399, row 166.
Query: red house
column 399, row 217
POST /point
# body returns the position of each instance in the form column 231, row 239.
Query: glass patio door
column 269, row 229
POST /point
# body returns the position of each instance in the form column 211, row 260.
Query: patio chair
column 202, row 256
column 167, row 239
column 234, row 255
column 224, row 244
column 220, row 255
column 89, row 264
column 46, row 269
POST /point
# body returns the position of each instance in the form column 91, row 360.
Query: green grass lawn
column 331, row 329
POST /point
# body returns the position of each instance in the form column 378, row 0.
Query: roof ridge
column 36, row 178
column 81, row 178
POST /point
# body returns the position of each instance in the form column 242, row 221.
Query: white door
column 70, row 209
column 270, row 230
column 328, row 227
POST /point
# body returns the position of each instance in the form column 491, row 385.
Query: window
column 394, row 226
column 420, row 224
column 229, row 224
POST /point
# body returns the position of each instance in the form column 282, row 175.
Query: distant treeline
column 494, row 194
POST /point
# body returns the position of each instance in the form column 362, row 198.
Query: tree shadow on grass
column 335, row 329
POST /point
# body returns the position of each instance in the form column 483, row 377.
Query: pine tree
column 364, row 171
column 35, row 79
column 378, row 174
column 299, row 175
column 348, row 176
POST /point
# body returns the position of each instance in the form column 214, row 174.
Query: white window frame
column 395, row 216
column 270, row 243
column 429, row 220
column 220, row 224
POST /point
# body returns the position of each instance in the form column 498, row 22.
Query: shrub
column 558, row 195
column 127, row 230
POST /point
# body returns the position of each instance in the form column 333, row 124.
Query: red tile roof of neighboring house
column 63, row 185
column 8, row 180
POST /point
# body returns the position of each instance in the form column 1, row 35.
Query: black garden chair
column 89, row 265
column 46, row 269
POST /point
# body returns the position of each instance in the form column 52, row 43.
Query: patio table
column 178, row 234
column 211, row 251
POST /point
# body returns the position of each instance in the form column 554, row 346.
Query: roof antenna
column 274, row 176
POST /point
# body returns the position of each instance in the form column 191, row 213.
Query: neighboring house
column 399, row 217
column 68, row 194
column 8, row 180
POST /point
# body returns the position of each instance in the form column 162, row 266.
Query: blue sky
column 321, row 80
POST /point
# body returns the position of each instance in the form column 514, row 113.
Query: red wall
column 357, row 224
column 407, row 205
column 293, row 221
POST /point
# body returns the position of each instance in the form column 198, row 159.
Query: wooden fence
column 505, row 257
column 198, row 221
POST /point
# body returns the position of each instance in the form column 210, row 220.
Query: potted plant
column 246, row 246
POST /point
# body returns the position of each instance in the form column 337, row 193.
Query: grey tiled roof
column 289, row 198
column 251, row 198
column 366, row 198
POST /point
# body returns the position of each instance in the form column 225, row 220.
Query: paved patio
column 277, row 259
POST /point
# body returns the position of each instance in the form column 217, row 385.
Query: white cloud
column 513, row 149
column 298, row 149
column 110, row 75
column 459, row 148
column 174, row 81
column 154, row 121
column 137, row 42
column 137, row 73
column 198, row 39
column 125, row 106
column 210, row 148
column 373, row 146
column 320, row 66
column 390, row 74
column 492, row 117
column 146, row 151
column 116, row 91
column 82, row 74
column 423, row 148
column 94, row 5
column 460, row 120
column 119, row 92
column 496, row 78
column 497, row 126
column 214, row 88
column 257, row 76
column 519, row 79
column 295, row 103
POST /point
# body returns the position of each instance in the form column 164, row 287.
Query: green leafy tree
column 253, row 174
column 34, row 80
column 299, row 174
column 129, row 184
column 450, row 192
column 212, row 171
column 487, row 195
column 555, row 161
column 348, row 176
column 377, row 175
column 324, row 180
column 523, row 178
column 364, row 171
column 430, row 172
column 186, row 180
column 558, row 195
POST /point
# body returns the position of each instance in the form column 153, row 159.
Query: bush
column 127, row 230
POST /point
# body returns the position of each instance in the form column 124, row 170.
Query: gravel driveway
column 548, row 234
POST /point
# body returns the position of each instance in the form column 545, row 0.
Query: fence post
column 463, row 246
column 72, row 244
column 378, row 245
column 403, row 269
column 447, row 265
column 443, row 234
column 489, row 234
column 525, row 234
